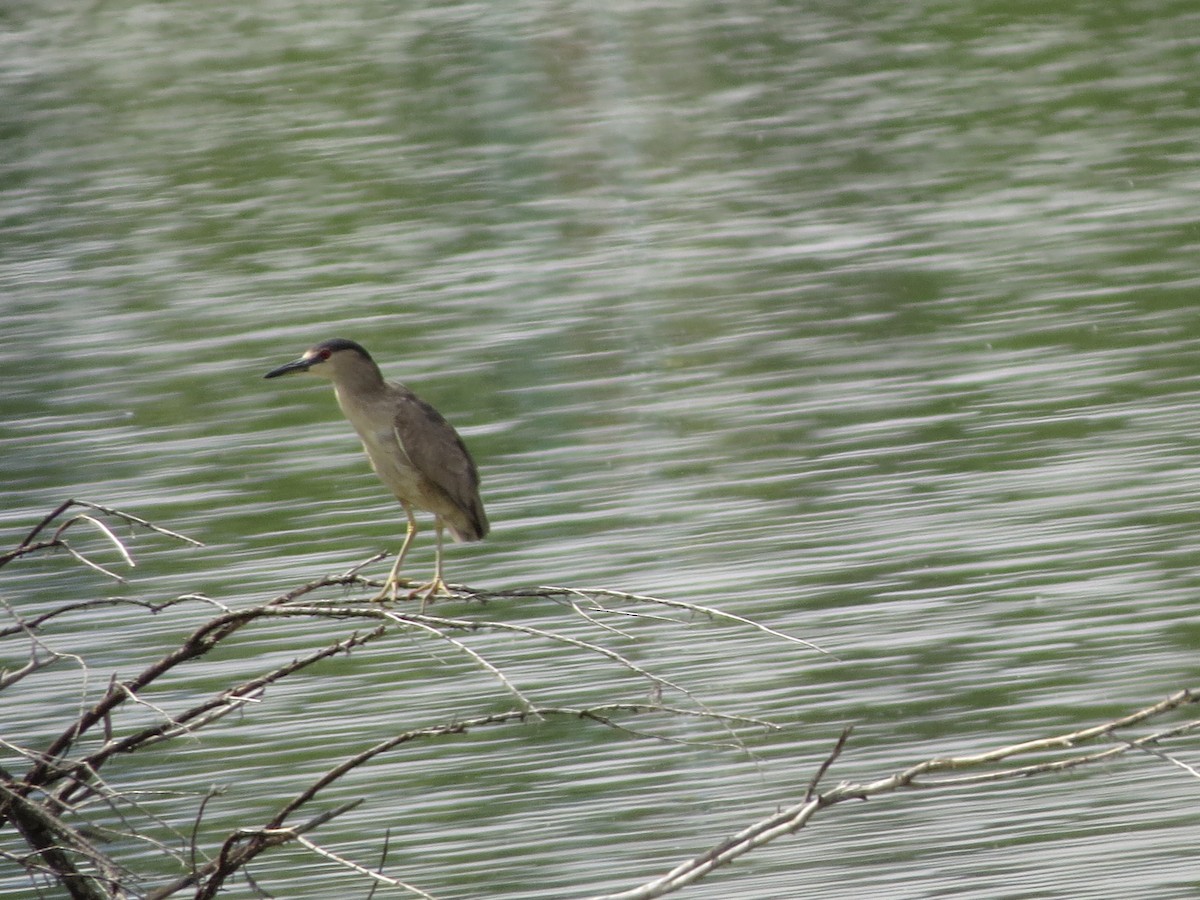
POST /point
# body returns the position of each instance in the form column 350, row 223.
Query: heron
column 415, row 452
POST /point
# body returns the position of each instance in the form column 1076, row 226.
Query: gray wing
column 438, row 453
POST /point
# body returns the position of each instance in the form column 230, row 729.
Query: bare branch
column 67, row 784
column 27, row 545
column 709, row 611
column 135, row 520
column 476, row 656
column 215, row 708
column 1165, row 757
column 87, row 562
column 102, row 528
column 34, row 622
column 60, row 846
column 361, row 870
column 794, row 818
column 36, row 663
column 42, row 525
column 828, row 761
column 239, row 849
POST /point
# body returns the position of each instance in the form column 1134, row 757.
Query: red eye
column 325, row 353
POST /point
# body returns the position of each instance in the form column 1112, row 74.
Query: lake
column 874, row 324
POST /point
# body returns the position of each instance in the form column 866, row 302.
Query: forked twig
column 711, row 611
column 102, row 528
column 30, row 546
column 69, row 776
column 794, row 818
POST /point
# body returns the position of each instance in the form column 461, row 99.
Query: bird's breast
column 393, row 466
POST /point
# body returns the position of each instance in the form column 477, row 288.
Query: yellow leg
column 391, row 587
column 438, row 585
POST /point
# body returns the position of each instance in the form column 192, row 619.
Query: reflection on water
column 875, row 326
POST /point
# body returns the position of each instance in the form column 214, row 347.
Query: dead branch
column 63, row 780
column 30, row 546
column 61, row 847
column 66, row 781
column 361, row 870
column 795, row 817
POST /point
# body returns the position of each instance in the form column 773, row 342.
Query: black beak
column 300, row 365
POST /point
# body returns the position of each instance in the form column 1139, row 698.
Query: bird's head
column 327, row 359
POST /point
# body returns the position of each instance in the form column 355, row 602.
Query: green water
column 877, row 324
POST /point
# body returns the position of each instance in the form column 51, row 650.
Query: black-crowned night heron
column 412, row 448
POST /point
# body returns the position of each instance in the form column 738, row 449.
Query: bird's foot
column 393, row 590
column 396, row 589
column 427, row 592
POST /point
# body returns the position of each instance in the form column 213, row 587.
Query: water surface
column 876, row 325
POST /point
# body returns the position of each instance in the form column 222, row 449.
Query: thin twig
column 794, row 818
column 135, row 520
column 102, row 528
column 479, row 658
column 710, row 611
column 87, row 562
column 828, row 761
column 362, row 870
